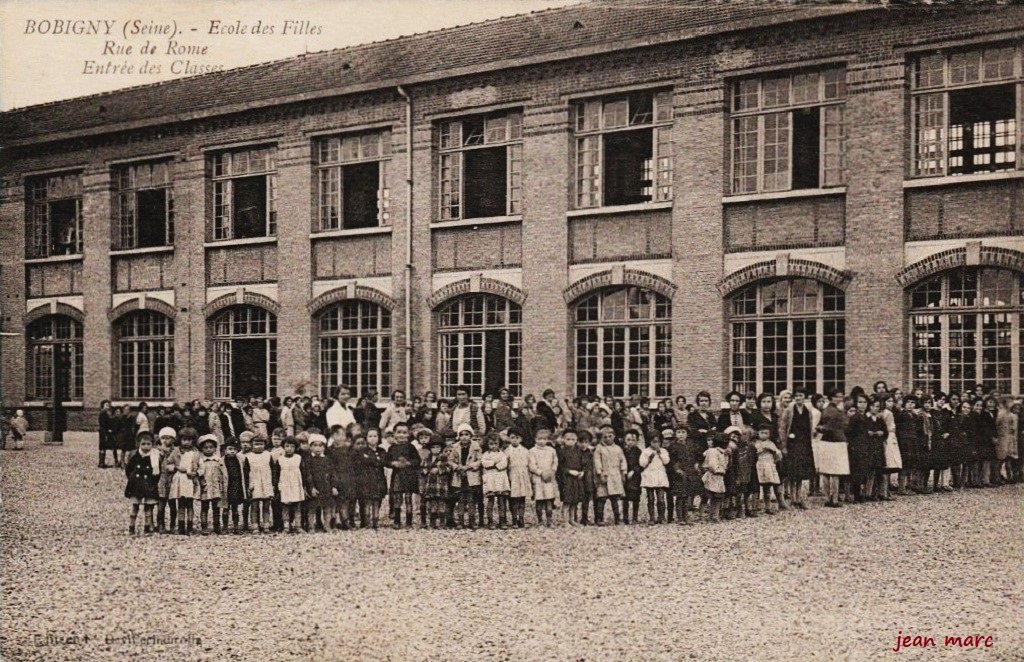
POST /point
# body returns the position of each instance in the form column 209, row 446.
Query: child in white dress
column 520, row 487
column 184, row 485
column 543, row 467
column 261, row 483
column 767, row 473
column 289, row 481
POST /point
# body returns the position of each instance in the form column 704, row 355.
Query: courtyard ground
column 819, row 585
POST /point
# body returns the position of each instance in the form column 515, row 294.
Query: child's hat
column 763, row 426
column 317, row 439
column 732, row 428
column 464, row 427
column 423, row 431
column 435, row 440
column 207, row 439
column 168, row 432
column 231, row 443
column 245, row 436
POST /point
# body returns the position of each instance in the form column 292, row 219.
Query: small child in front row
column 437, row 482
column 143, row 472
column 213, row 479
column 261, row 483
column 654, row 479
column 237, row 483
column 767, row 473
column 289, row 482
column 631, row 501
column 184, row 487
column 495, row 480
column 716, row 462
column 318, row 475
column 543, row 466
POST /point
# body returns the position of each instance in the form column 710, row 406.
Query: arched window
column 244, row 353
column 480, row 339
column 144, row 341
column 355, row 347
column 966, row 328
column 44, row 336
column 787, row 333
column 623, row 343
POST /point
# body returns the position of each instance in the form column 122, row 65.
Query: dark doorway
column 362, row 182
column 494, row 361
column 249, row 368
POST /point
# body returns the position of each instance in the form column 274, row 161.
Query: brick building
column 597, row 198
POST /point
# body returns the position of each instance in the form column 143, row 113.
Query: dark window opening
column 982, row 129
column 360, row 187
column 494, row 361
column 485, row 184
column 806, row 147
column 473, row 131
column 250, row 205
column 641, row 108
column 151, row 214
column 64, row 227
column 627, row 166
column 248, row 368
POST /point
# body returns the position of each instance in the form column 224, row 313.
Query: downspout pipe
column 408, row 240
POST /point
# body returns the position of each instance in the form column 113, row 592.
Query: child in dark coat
column 633, row 475
column 143, row 472
column 318, row 477
column 237, row 485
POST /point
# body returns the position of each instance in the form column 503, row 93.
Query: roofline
column 804, row 14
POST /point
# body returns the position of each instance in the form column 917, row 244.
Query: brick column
column 424, row 368
column 399, row 236
column 96, row 289
column 545, row 252
column 189, row 269
column 876, row 335
column 294, row 265
column 699, row 359
column 12, row 287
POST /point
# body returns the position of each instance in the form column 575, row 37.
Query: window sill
column 251, row 241
column 946, row 180
column 54, row 258
column 619, row 209
column 351, row 232
column 142, row 251
column 782, row 195
column 135, row 403
column 470, row 222
column 48, row 404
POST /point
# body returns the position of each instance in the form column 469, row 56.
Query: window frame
column 221, row 345
column 655, row 323
column 821, row 318
column 38, row 200
column 124, row 201
column 942, row 90
column 35, row 372
column 451, row 160
column 451, row 381
column 141, row 347
column 589, row 127
column 1014, row 310
column 379, row 335
column 760, row 111
column 324, row 165
column 222, row 188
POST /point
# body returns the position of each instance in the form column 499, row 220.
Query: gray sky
column 52, row 50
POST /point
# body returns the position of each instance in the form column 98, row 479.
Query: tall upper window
column 481, row 165
column 788, row 131
column 481, row 345
column 54, row 208
column 244, row 191
column 355, row 348
column 624, row 343
column 623, row 149
column 143, row 205
column 145, row 356
column 965, row 111
column 786, row 334
column 966, row 328
column 55, row 356
column 352, row 180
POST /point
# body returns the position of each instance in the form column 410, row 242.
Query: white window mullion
column 944, row 352
column 600, row 359
column 819, row 349
column 759, row 357
column 601, row 174
column 789, row 352
column 944, row 129
column 1014, row 352
column 789, row 156
column 760, row 152
column 651, row 361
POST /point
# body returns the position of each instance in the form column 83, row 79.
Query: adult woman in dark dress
column 702, row 423
column 124, row 433
column 107, row 440
column 961, row 431
column 796, row 425
column 986, row 439
column 859, row 440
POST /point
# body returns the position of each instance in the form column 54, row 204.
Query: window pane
column 744, row 155
column 805, row 353
column 963, row 353
column 776, row 151
column 775, row 340
column 926, row 352
column 929, row 147
column 744, row 356
column 929, row 70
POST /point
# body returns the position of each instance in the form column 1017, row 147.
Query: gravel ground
column 826, row 584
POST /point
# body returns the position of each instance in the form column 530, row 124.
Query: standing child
column 543, row 465
column 767, row 472
column 289, row 482
column 370, row 461
column 609, row 475
column 436, row 483
column 143, row 472
column 633, row 479
column 343, row 474
column 169, row 459
column 495, row 480
column 318, row 476
column 654, row 478
column 183, row 486
column 716, row 462
column 213, row 481
column 19, row 430
column 518, row 477
column 572, row 463
column 261, row 483
column 464, row 459
column 586, row 445
column 404, row 461
column 245, row 447
column 237, row 484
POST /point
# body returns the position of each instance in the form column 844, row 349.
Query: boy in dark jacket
column 143, row 472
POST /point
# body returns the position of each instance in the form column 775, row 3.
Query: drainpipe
column 408, row 241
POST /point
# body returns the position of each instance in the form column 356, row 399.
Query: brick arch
column 248, row 298
column 630, row 277
column 130, row 305
column 954, row 258
column 487, row 286
column 337, row 294
column 797, row 268
column 61, row 309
